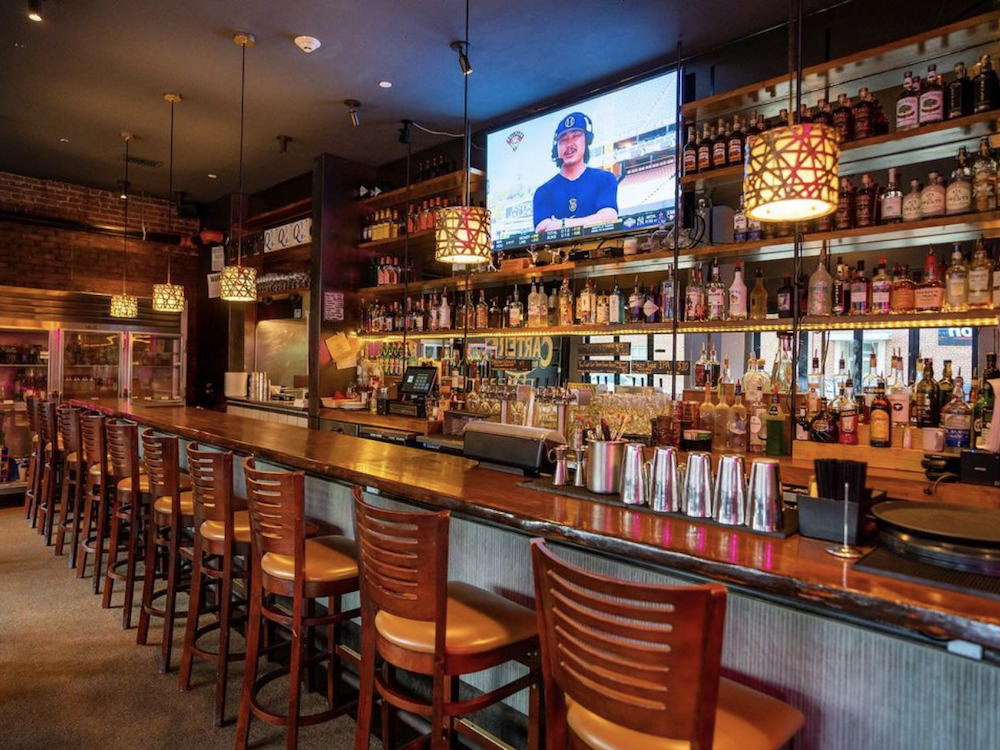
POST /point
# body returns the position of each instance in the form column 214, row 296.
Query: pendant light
column 462, row 233
column 792, row 172
column 125, row 305
column 239, row 283
column 169, row 297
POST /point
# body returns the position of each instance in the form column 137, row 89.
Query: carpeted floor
column 70, row 677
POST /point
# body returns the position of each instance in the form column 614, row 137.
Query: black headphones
column 573, row 121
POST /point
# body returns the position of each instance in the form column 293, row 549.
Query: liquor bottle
column 601, row 310
column 700, row 368
column 712, row 369
column 932, row 197
column 820, row 299
column 737, row 139
column 958, row 99
column 755, row 230
column 616, row 305
column 841, row 290
column 902, row 298
column 956, row 418
column 720, row 146
column 985, row 401
column 931, row 98
column 786, row 295
column 495, row 320
column 635, row 302
column 705, row 149
column 843, row 118
column 908, row 105
column 911, row 202
column 753, row 380
column 706, row 412
column 548, row 304
column 929, row 293
column 715, row 295
column 956, row 294
column 802, row 424
column 650, row 306
column 694, row 297
column 860, row 291
column 844, row 216
column 980, row 279
column 531, row 320
column 690, row 153
column 864, row 115
column 946, row 384
column 815, row 383
column 823, row 115
column 444, row 313
column 881, row 290
column 757, row 426
column 553, row 307
column 725, row 374
column 740, row 223
column 758, row 297
column 892, row 199
column 565, row 303
column 866, row 203
column 736, row 424
column 870, row 381
column 823, row 426
column 899, row 396
column 667, row 296
column 515, row 316
column 738, row 295
column 583, row 305
column 720, row 427
column 847, row 418
column 880, row 418
column 927, row 399
column 781, row 372
column 985, row 87
column 958, row 194
column 984, row 178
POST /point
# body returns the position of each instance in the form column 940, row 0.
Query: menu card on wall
column 333, row 306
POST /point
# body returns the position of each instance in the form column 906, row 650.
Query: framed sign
column 600, row 365
column 621, row 348
column 333, row 306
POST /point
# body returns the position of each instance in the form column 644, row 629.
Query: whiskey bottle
column 843, row 119
column 844, row 217
column 720, row 426
column 713, row 372
column 847, row 418
column 984, row 178
column 823, row 426
column 880, row 418
column 958, row 101
column 483, row 311
column 881, row 291
column 958, row 195
column 758, row 297
column 911, row 202
column 929, row 293
column 737, row 139
column 786, row 294
column 985, row 87
column 892, row 200
column 860, row 291
column 932, row 197
column 690, row 153
column 701, row 368
column 956, row 418
column 956, row 294
column 982, row 413
column 946, row 384
column 927, row 399
column 980, row 279
column 866, row 203
column 907, row 105
column 820, row 299
column 902, row 299
column 495, row 319
column 864, row 115
column 931, row 98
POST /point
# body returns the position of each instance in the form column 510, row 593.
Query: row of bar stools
column 221, row 555
column 169, row 525
column 285, row 563
column 414, row 619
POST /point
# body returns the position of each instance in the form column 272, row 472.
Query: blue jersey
column 566, row 199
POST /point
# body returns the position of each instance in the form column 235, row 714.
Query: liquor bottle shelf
column 390, row 243
column 879, row 68
column 937, row 141
column 965, row 318
column 425, row 189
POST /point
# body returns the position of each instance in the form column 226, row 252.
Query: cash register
column 417, row 384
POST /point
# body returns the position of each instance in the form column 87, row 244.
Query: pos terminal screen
column 418, row 381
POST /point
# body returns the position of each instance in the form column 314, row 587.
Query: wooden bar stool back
column 73, row 476
column 127, row 513
column 414, row 619
column 630, row 665
column 34, row 478
column 286, row 563
column 97, row 497
column 51, row 467
column 221, row 555
column 170, row 524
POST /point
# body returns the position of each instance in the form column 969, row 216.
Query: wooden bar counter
column 874, row 662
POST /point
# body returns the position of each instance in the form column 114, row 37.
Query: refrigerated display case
column 91, row 364
column 157, row 367
column 24, row 364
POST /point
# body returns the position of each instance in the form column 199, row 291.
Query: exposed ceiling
column 93, row 69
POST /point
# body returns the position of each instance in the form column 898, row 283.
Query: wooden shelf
column 417, row 238
column 282, row 215
column 880, row 68
column 293, row 256
column 477, row 281
column 426, row 189
column 937, row 141
column 973, row 318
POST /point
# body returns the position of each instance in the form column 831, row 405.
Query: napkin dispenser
column 511, row 448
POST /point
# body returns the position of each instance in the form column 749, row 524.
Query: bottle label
column 932, row 201
column 719, row 154
column 515, row 317
column 649, row 309
column 929, row 298
column 880, row 298
column 932, row 106
column 903, row 299
column 979, row 286
column 848, row 427
column 911, row 207
column 957, row 430
column 907, row 113
column 737, row 304
column 984, row 190
column 957, row 291
column 900, row 403
column 958, row 197
column 716, row 303
column 602, row 314
column 880, row 426
column 614, row 310
column 690, row 160
column 704, row 158
column 784, row 301
column 892, row 207
column 819, row 293
column 859, row 298
column 735, row 151
column 757, row 429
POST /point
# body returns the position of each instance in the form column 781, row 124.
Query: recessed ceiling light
column 385, row 84
column 212, row 176
column 64, row 140
column 34, row 11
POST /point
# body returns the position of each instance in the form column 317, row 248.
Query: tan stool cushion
column 744, row 720
column 165, row 505
column 125, row 485
column 478, row 621
column 216, row 530
column 328, row 558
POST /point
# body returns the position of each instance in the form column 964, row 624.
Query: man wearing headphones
column 578, row 195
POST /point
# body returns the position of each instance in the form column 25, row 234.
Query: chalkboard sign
column 661, row 368
column 623, row 348
column 597, row 365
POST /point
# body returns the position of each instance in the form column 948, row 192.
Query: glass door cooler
column 156, row 367
column 91, row 364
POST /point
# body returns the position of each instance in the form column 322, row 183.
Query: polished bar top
column 387, row 421
column 795, row 569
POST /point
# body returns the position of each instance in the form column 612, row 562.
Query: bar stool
column 630, row 665
column 34, row 477
column 94, row 518
column 287, row 564
column 126, row 513
column 222, row 555
column 414, row 619
column 52, row 457
column 74, row 478
column 169, row 523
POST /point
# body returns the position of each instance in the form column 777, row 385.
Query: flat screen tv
column 600, row 166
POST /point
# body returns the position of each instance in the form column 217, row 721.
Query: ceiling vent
column 141, row 162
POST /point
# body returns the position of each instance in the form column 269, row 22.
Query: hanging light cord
column 243, row 88
column 465, row 116
column 125, row 228
column 170, row 194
